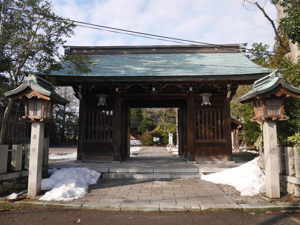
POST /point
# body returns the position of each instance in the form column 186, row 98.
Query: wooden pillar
column 227, row 128
column 124, row 130
column 3, row 158
column 127, row 137
column 180, row 134
column 46, row 153
column 27, row 155
column 81, row 130
column 177, row 129
column 16, row 158
column 191, row 126
column 235, row 139
column 117, row 127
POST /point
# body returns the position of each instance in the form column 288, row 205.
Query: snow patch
column 12, row 196
column 65, row 156
column 135, row 142
column 51, row 170
column 172, row 150
column 68, row 184
column 247, row 178
column 249, row 151
column 134, row 151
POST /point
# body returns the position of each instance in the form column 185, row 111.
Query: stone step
column 153, row 176
column 148, row 170
column 216, row 162
column 154, row 170
column 206, row 171
column 214, row 168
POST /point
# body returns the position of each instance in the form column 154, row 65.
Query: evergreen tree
column 31, row 35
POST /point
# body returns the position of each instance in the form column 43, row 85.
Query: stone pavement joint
column 159, row 207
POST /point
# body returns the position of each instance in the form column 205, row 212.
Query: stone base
column 13, row 185
column 293, row 189
column 291, row 185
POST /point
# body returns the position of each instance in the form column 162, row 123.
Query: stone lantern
column 38, row 96
column 268, row 95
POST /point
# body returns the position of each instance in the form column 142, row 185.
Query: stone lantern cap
column 272, row 85
column 35, row 86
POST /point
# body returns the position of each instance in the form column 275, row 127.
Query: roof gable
column 272, row 84
column 39, row 86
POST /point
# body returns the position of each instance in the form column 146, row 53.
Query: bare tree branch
column 270, row 20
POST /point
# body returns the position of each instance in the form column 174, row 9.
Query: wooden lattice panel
column 209, row 124
column 99, row 125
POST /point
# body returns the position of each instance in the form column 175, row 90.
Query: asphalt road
column 37, row 216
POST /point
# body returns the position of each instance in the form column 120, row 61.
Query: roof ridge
column 267, row 79
column 158, row 46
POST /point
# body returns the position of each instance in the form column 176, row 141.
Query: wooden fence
column 16, row 159
column 290, row 170
column 18, row 132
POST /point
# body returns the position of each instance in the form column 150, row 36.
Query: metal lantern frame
column 38, row 109
column 269, row 108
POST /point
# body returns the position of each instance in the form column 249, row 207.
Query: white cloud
column 211, row 21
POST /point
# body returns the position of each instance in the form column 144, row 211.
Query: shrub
column 163, row 134
column 147, row 124
column 146, row 138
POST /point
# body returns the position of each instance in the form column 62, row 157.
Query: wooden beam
column 191, row 125
column 219, row 124
column 216, row 125
column 206, row 125
column 227, row 128
column 82, row 130
column 287, row 93
column 117, row 127
column 117, row 81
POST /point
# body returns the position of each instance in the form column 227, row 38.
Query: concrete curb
column 158, row 207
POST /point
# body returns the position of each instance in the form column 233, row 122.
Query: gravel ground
column 257, row 199
column 236, row 195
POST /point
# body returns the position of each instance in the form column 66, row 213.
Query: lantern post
column 38, row 96
column 268, row 95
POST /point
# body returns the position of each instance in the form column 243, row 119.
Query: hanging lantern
column 205, row 99
column 102, row 100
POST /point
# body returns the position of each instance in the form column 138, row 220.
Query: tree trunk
column 14, row 132
column 63, row 125
column 3, row 14
column 4, row 125
column 294, row 53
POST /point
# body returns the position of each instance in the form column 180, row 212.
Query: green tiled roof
column 266, row 85
column 39, row 85
column 167, row 65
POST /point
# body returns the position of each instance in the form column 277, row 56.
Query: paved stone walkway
column 178, row 193
column 147, row 194
column 149, row 158
column 160, row 195
column 154, row 152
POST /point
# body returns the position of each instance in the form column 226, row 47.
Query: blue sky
column 212, row 21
